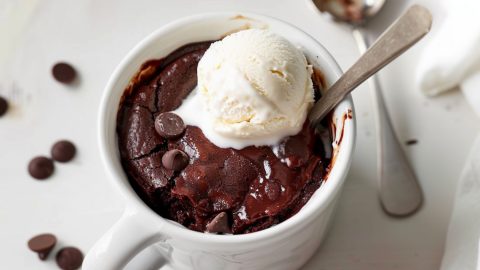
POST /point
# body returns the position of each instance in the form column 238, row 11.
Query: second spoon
column 400, row 192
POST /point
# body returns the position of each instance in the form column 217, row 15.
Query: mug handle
column 130, row 235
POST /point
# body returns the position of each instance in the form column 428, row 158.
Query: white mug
column 287, row 245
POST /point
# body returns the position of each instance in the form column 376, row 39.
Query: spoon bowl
column 355, row 12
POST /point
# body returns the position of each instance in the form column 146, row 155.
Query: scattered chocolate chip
column 3, row 106
column 272, row 189
column 64, row 73
column 69, row 258
column 40, row 167
column 219, row 224
column 42, row 244
column 175, row 160
column 63, row 151
column 411, row 142
column 169, row 125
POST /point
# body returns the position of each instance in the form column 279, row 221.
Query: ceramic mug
column 287, row 245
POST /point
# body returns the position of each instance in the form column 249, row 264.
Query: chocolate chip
column 69, row 258
column 175, row 160
column 169, row 125
column 42, row 244
column 64, row 73
column 63, row 151
column 40, row 167
column 272, row 189
column 3, row 106
column 219, row 224
column 411, row 142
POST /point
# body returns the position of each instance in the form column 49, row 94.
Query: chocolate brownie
column 219, row 189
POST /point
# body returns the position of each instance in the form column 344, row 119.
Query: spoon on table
column 400, row 192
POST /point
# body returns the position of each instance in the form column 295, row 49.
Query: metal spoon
column 400, row 192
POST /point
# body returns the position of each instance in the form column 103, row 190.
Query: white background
column 77, row 203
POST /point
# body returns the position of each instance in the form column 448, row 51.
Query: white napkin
column 462, row 247
column 471, row 88
column 451, row 59
column 453, row 51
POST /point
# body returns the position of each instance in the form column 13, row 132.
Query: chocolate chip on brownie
column 40, row 167
column 219, row 224
column 63, row 151
column 175, row 160
column 42, row 244
column 169, row 125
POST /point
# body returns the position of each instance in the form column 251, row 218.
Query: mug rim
column 171, row 229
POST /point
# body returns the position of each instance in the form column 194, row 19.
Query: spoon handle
column 399, row 190
column 399, row 37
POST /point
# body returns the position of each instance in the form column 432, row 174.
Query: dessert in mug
column 214, row 135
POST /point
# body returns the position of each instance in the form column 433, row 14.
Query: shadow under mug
column 287, row 245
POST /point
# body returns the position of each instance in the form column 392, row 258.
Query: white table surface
column 77, row 203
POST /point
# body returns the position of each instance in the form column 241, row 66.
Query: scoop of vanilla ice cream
column 255, row 84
